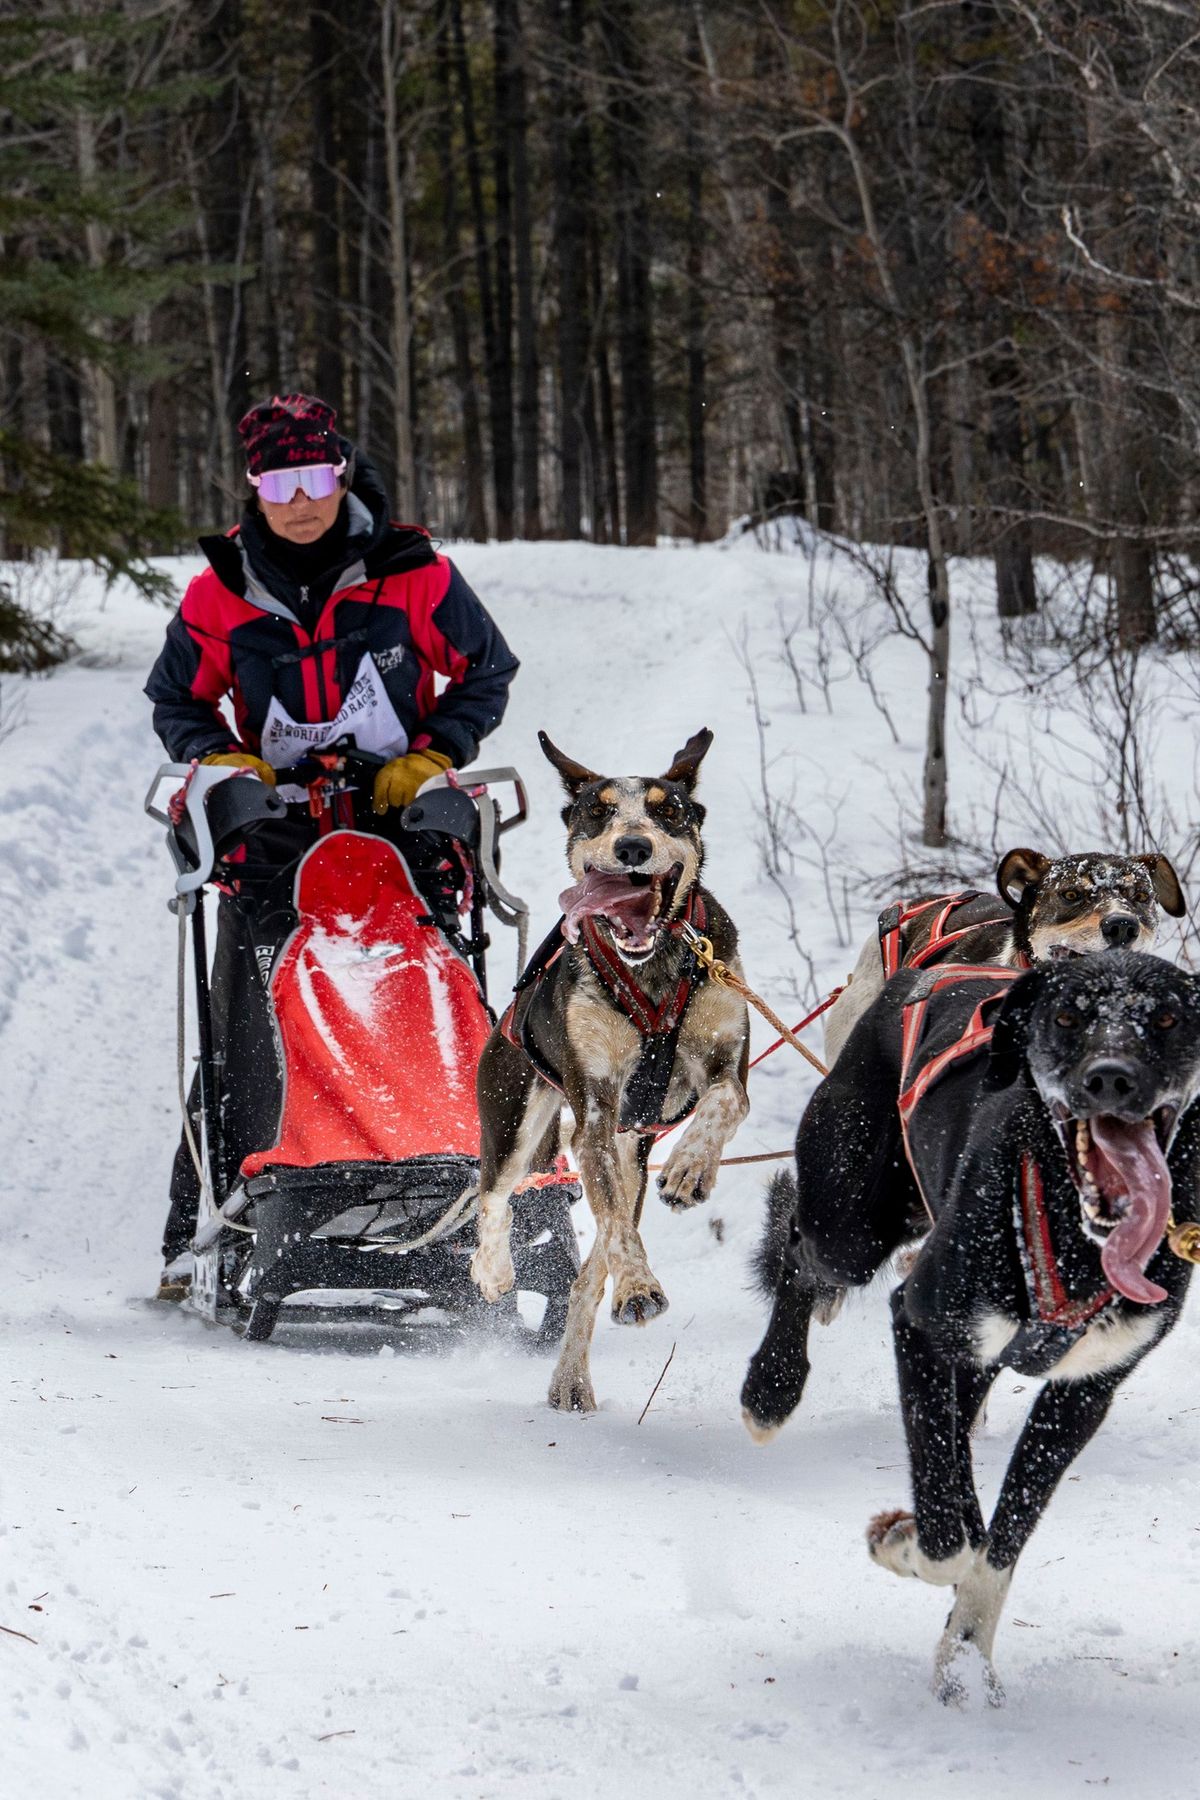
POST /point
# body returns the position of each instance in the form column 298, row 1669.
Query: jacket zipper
column 318, row 659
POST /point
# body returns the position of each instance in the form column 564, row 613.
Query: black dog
column 1048, row 1169
column 615, row 1016
column 1044, row 909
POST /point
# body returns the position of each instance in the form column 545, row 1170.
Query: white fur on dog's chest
column 1109, row 1341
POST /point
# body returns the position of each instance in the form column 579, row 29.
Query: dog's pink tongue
column 611, row 895
column 1131, row 1162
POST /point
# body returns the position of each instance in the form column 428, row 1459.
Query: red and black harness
column 657, row 1022
column 935, row 1040
column 944, row 932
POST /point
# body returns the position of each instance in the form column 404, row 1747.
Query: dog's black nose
column 1111, row 1083
column 632, row 852
column 1119, row 930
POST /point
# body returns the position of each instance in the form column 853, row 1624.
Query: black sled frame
column 381, row 1243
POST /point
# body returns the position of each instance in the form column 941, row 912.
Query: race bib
column 366, row 711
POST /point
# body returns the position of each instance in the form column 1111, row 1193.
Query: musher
column 317, row 616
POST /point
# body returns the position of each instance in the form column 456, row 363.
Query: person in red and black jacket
column 316, row 616
column 316, row 609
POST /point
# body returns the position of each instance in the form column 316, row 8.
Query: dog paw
column 891, row 1540
column 571, row 1391
column 689, row 1177
column 637, row 1302
column 493, row 1274
column 761, row 1430
column 892, row 1543
column 961, row 1670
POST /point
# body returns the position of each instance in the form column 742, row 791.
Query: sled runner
column 361, row 1206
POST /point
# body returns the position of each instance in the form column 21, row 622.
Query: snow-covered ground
column 230, row 1570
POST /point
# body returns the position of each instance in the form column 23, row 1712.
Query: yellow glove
column 397, row 782
column 242, row 759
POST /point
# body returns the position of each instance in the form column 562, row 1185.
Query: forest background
column 924, row 274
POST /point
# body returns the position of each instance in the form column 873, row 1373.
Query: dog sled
column 361, row 1210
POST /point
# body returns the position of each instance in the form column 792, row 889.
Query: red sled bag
column 381, row 1023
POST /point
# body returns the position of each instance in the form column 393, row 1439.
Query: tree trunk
column 397, row 263
column 163, row 483
column 101, row 412
column 1124, row 453
column 32, row 384
column 935, row 777
column 219, row 176
column 786, row 332
column 694, row 329
column 275, row 273
column 1016, row 590
column 475, row 523
column 323, row 192
column 483, row 272
column 569, row 162
column 528, row 422
column 503, row 424
column 1137, row 615
column 606, row 524
column 628, row 119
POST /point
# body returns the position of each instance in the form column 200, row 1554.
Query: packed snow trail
column 346, row 1570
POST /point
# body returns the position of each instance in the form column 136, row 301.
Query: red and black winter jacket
column 396, row 599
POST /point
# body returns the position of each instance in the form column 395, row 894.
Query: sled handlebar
column 471, row 781
column 344, row 765
column 212, row 830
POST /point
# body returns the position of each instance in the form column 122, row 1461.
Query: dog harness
column 658, row 1023
column 933, row 1043
column 902, row 912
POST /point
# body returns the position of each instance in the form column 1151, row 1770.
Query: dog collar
column 1049, row 1302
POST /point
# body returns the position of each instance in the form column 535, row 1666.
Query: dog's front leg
column 1061, row 1421
column 715, row 1049
column 719, row 1023
column 970, row 1633
column 571, row 1384
column 612, row 1183
column 693, row 1165
column 612, row 1177
column 931, row 1541
column 636, row 1295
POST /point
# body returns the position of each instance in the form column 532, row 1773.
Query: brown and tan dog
column 615, row 1017
column 1052, row 907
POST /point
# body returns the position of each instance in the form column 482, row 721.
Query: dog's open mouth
column 633, row 905
column 1120, row 1169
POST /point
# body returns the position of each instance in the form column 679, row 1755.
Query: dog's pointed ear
column 1019, row 870
column 1010, row 1029
column 686, row 765
column 1168, row 889
column 574, row 775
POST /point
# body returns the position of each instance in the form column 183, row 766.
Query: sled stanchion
column 210, row 1092
column 192, row 906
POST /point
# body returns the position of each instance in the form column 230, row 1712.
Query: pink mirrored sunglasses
column 317, row 480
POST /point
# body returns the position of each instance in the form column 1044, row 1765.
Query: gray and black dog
column 1044, row 909
column 1059, row 1166
column 615, row 1017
